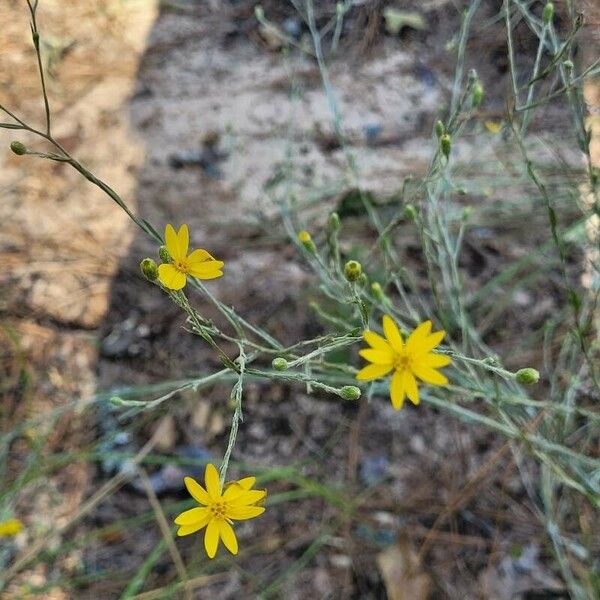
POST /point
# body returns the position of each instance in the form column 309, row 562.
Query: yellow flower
column 408, row 360
column 219, row 508
column 493, row 126
column 198, row 264
column 10, row 528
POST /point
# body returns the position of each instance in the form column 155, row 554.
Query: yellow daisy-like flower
column 237, row 502
column 10, row 528
column 407, row 360
column 198, row 264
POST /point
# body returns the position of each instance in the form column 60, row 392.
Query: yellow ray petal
column 172, row 243
column 206, row 269
column 435, row 360
column 397, row 390
column 228, row 536
column 373, row 372
column 170, row 277
column 376, row 341
column 233, row 491
column 392, row 334
column 378, row 357
column 410, row 387
column 211, row 481
column 242, row 485
column 242, row 513
column 183, row 237
column 429, row 375
column 198, row 256
column 197, row 492
column 189, row 529
column 248, row 497
column 429, row 343
column 211, row 538
column 418, row 336
column 247, row 482
column 192, row 516
column 210, row 275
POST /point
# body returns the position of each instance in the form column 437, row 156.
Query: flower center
column 218, row 509
column 181, row 265
column 402, row 362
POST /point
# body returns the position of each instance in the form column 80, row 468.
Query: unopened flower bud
column 446, row 145
column 307, row 242
column 350, row 392
column 149, row 269
column 477, row 94
column 527, row 375
column 568, row 64
column 164, row 255
column 362, row 279
column 352, row 270
column 410, row 212
column 467, row 212
column 18, row 148
column 377, row 291
column 439, row 129
column 548, row 13
column 334, row 222
column 279, row 364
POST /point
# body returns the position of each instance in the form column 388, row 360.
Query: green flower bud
column 377, row 291
column 467, row 212
column 279, row 364
column 527, row 376
column 439, row 129
column 363, row 280
column 307, row 242
column 410, row 212
column 350, row 392
column 259, row 12
column 548, row 13
column 18, row 148
column 352, row 270
column 149, row 269
column 334, row 222
column 477, row 94
column 568, row 64
column 446, row 145
column 164, row 255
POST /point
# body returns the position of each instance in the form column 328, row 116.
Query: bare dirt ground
column 191, row 113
